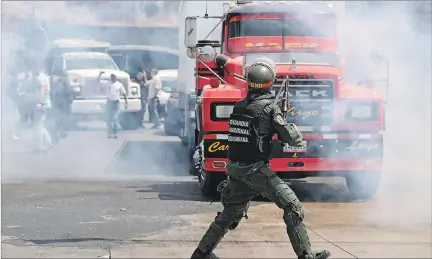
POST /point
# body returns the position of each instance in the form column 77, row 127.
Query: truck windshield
column 331, row 59
column 324, row 27
column 136, row 61
column 90, row 63
column 169, row 82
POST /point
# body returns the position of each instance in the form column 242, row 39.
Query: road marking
column 12, row 226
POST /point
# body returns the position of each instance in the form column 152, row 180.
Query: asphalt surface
column 46, row 196
column 133, row 197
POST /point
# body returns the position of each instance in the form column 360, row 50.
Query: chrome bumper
column 98, row 106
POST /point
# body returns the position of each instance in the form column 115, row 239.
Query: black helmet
column 260, row 75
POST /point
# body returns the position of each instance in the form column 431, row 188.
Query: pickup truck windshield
column 90, row 63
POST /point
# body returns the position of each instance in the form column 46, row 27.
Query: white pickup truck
column 87, row 74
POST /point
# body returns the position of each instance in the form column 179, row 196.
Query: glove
column 280, row 103
column 295, row 134
column 300, row 144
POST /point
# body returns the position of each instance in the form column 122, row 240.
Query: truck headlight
column 223, row 111
column 74, row 82
column 76, row 89
column 361, row 112
column 134, row 90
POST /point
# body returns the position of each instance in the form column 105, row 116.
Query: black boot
column 323, row 254
column 198, row 254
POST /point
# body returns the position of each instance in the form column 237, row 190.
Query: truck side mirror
column 207, row 53
column 192, row 52
column 381, row 78
column 191, row 24
column 378, row 57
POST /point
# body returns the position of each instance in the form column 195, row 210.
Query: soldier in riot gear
column 252, row 124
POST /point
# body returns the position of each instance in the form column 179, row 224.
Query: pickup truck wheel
column 363, row 185
column 208, row 182
column 130, row 120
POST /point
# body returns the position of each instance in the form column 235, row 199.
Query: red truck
column 342, row 123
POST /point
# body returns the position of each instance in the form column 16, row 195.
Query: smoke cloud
column 403, row 36
column 126, row 22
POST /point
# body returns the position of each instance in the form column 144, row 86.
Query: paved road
column 134, row 198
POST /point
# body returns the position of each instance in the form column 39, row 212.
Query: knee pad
column 294, row 215
column 285, row 197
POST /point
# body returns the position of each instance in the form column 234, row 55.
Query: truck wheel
column 170, row 130
column 130, row 120
column 184, row 141
column 363, row 185
column 208, row 182
column 192, row 170
column 191, row 143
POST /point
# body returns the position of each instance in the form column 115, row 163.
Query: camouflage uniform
column 248, row 171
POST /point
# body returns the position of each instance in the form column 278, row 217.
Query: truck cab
column 136, row 58
column 342, row 124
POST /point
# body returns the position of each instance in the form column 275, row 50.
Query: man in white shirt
column 154, row 86
column 43, row 105
column 115, row 90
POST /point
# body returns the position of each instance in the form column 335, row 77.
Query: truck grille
column 94, row 88
column 125, row 83
column 311, row 102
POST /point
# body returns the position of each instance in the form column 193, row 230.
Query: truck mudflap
column 334, row 152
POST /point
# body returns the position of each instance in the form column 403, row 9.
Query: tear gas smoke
column 119, row 23
column 406, row 42
column 405, row 38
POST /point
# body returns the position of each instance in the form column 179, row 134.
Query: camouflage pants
column 244, row 183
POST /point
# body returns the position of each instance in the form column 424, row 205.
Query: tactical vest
column 249, row 140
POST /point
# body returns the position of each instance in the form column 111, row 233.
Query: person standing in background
column 154, row 86
column 16, row 92
column 144, row 96
column 43, row 88
column 115, row 90
column 61, row 109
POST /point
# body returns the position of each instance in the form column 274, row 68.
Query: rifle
column 283, row 93
column 285, row 100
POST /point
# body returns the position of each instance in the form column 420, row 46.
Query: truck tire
column 170, row 129
column 130, row 120
column 208, row 182
column 363, row 185
column 193, row 170
column 191, row 143
column 184, row 141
